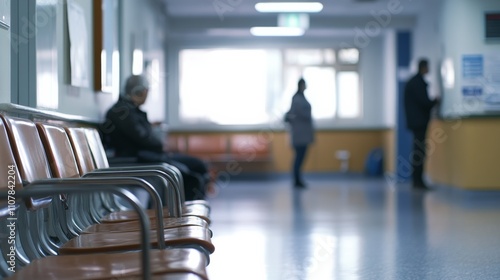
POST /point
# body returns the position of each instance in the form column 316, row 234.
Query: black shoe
column 300, row 185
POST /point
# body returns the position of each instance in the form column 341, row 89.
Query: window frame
column 338, row 67
column 275, row 121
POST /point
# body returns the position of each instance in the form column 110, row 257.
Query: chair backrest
column 81, row 149
column 96, row 147
column 59, row 151
column 10, row 179
column 64, row 165
column 29, row 154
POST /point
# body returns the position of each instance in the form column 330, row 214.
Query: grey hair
column 135, row 85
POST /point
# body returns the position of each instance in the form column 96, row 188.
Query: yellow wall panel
column 466, row 153
column 321, row 155
column 389, row 151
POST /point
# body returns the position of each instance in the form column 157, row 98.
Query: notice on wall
column 79, row 46
column 472, row 66
column 492, row 85
column 481, row 81
column 5, row 14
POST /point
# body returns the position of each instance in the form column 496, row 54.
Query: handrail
column 15, row 109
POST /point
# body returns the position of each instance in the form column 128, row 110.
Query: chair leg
column 43, row 238
column 26, row 240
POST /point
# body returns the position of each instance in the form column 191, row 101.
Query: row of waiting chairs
column 60, row 219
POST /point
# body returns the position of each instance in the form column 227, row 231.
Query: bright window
column 226, row 87
column 349, row 56
column 320, row 92
column 255, row 86
column 349, row 98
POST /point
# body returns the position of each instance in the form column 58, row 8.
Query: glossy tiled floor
column 357, row 228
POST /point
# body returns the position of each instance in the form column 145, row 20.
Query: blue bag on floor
column 374, row 164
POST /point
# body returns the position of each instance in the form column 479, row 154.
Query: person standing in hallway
column 299, row 119
column 418, row 106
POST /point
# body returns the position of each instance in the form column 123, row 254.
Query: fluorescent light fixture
column 289, row 7
column 276, row 31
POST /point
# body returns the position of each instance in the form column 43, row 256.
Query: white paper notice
column 78, row 45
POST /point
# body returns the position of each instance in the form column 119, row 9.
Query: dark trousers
column 194, row 171
column 300, row 155
column 193, row 163
column 418, row 156
column 196, row 177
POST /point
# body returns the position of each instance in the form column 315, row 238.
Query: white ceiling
column 233, row 18
column 245, row 8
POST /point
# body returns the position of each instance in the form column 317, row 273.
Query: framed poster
column 78, row 37
column 106, row 54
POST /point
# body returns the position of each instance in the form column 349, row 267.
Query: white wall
column 139, row 18
column 389, row 81
column 372, row 72
column 144, row 28
column 462, row 23
column 427, row 44
column 5, row 66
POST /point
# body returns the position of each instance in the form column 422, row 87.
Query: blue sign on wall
column 472, row 91
column 472, row 66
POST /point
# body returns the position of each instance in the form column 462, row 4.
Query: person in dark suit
column 300, row 121
column 418, row 108
column 131, row 135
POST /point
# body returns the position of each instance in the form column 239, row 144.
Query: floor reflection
column 353, row 229
column 412, row 248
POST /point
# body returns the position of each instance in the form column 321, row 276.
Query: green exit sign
column 293, row 20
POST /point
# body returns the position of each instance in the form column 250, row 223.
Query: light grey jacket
column 300, row 121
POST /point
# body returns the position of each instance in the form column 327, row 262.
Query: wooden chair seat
column 181, row 264
column 126, row 241
column 135, row 225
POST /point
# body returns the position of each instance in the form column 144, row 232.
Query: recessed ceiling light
column 276, row 31
column 289, row 7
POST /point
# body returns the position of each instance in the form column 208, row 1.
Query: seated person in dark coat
column 131, row 135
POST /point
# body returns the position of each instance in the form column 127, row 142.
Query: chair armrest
column 167, row 168
column 172, row 193
column 55, row 187
column 114, row 181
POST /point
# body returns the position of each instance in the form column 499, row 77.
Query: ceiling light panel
column 276, row 31
column 289, row 7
